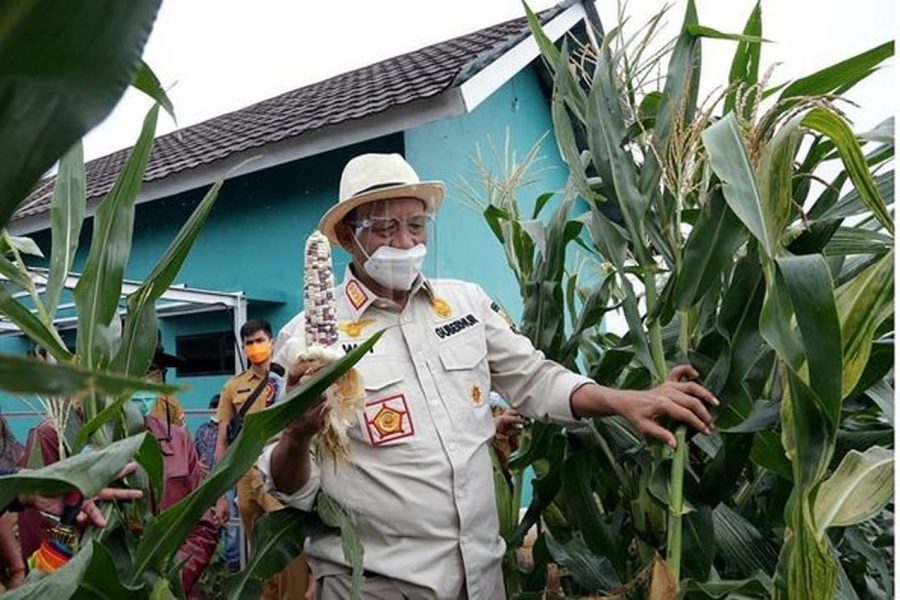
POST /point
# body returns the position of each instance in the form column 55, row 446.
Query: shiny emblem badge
column 441, row 308
column 477, row 398
column 356, row 295
column 355, row 328
column 388, row 420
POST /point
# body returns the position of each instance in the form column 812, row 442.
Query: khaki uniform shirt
column 419, row 482
column 237, row 389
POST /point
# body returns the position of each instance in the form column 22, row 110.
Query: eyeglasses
column 389, row 227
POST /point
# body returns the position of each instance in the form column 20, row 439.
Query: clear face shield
column 398, row 243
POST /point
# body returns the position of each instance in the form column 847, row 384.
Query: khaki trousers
column 252, row 503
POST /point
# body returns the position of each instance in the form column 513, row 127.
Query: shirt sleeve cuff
column 304, row 497
column 560, row 413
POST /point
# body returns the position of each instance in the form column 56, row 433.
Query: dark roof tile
column 356, row 94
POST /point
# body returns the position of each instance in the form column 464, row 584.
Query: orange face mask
column 258, row 352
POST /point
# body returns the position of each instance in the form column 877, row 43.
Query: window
column 206, row 354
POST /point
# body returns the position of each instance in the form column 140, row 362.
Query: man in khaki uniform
column 252, row 499
column 419, row 479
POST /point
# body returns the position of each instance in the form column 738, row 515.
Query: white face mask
column 396, row 268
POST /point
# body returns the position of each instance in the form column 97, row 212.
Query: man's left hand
column 680, row 400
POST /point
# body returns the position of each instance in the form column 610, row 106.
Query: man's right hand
column 300, row 371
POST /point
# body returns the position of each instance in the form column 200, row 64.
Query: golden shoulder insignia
column 355, row 328
column 441, row 308
column 476, row 395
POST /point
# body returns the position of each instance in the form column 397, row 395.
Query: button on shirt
column 419, row 481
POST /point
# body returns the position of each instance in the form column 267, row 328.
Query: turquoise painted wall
column 467, row 249
column 253, row 240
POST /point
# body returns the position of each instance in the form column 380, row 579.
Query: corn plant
column 62, row 68
column 712, row 226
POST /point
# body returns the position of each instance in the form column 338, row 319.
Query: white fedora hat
column 372, row 177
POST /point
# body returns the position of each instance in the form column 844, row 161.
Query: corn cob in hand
column 346, row 396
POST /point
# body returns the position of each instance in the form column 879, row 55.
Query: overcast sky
column 221, row 55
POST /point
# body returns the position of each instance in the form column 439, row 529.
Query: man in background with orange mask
column 261, row 385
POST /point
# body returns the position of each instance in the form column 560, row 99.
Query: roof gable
column 345, row 99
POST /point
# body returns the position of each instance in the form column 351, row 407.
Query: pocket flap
column 379, row 375
column 462, row 356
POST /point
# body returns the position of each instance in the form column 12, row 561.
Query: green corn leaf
column 564, row 128
column 507, row 509
column 759, row 587
column 100, row 286
column 808, row 281
column 708, row 250
column 88, row 473
column 775, row 176
column 808, row 439
column 27, row 376
column 99, row 581
column 162, row 590
column 860, row 487
column 278, row 538
column 22, row 244
column 852, row 205
column 611, row 242
column 63, row 66
column 150, row 457
column 805, row 567
column 729, row 160
column 863, row 304
column 592, row 573
column 165, row 533
column 698, row 553
column 146, row 81
column 61, row 584
column 139, row 339
column 835, row 128
column 586, row 513
column 739, row 543
column 745, row 64
column 15, row 274
column 548, row 50
column 775, row 321
column 36, row 330
column 855, row 240
column 715, row 34
column 66, row 217
column 87, row 430
column 841, row 76
column 333, row 515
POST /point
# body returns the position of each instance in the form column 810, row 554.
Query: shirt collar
column 359, row 297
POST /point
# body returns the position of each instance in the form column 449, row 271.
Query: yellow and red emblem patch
column 441, row 308
column 355, row 328
column 388, row 420
column 356, row 295
column 477, row 397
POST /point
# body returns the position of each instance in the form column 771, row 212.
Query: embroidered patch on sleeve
column 388, row 420
column 356, row 295
column 505, row 316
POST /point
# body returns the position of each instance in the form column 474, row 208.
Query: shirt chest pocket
column 466, row 385
column 386, row 419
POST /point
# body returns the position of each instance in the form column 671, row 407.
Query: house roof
column 351, row 96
